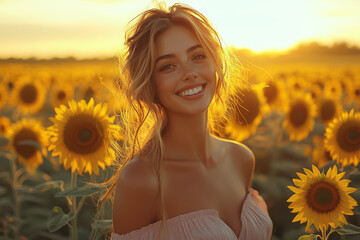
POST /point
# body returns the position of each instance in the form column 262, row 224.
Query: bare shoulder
column 243, row 159
column 134, row 204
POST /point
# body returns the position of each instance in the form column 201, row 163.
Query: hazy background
column 95, row 28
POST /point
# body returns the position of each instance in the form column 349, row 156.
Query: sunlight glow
column 86, row 28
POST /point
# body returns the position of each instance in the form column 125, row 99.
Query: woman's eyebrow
column 173, row 55
column 194, row 48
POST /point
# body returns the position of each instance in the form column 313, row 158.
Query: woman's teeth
column 189, row 92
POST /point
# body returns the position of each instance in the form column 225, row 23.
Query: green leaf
column 49, row 185
column 79, row 191
column 348, row 229
column 308, row 237
column 58, row 219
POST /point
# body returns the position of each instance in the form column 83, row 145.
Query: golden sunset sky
column 95, row 28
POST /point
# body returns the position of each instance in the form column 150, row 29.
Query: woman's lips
column 193, row 96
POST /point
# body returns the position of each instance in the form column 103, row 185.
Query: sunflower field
column 60, row 126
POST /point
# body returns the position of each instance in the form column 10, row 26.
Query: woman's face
column 184, row 77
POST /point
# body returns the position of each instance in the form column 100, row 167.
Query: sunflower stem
column 73, row 206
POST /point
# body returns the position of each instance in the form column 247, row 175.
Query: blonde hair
column 144, row 118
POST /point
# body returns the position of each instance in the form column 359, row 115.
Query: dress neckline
column 194, row 214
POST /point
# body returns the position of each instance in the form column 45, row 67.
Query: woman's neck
column 187, row 137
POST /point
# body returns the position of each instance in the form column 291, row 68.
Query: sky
column 96, row 28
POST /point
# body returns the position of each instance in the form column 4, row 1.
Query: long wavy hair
column 144, row 118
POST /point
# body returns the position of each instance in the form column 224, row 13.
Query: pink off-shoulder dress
column 206, row 225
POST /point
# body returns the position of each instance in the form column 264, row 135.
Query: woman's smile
column 192, row 92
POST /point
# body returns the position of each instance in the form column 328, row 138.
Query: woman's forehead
column 175, row 39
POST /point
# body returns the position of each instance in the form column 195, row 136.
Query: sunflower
column 28, row 129
column 328, row 108
column 4, row 125
column 10, row 80
column 321, row 199
column 334, row 88
column 354, row 92
column 297, row 84
column 342, row 138
column 274, row 94
column 246, row 113
column 83, row 136
column 91, row 88
column 346, row 84
column 299, row 119
column 61, row 94
column 316, row 92
column 29, row 96
column 3, row 95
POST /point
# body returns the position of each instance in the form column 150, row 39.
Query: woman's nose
column 189, row 74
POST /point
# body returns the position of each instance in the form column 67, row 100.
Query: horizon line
column 295, row 47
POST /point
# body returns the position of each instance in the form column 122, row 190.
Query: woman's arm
column 135, row 197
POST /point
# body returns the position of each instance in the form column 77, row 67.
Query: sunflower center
column 357, row 92
column 83, row 134
column 348, row 136
column 10, row 85
column 270, row 92
column 26, row 151
column 2, row 129
column 323, row 197
column 298, row 114
column 327, row 110
column 248, row 108
column 61, row 95
column 28, row 93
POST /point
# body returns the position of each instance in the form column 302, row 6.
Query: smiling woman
column 171, row 183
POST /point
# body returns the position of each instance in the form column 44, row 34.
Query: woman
column 180, row 181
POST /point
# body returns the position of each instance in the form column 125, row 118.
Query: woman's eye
column 166, row 67
column 199, row 57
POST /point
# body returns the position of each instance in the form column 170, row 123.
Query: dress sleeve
column 256, row 223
